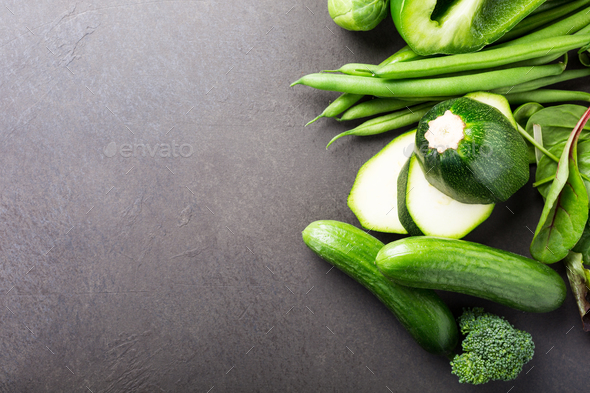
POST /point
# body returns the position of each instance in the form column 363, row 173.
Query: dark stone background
column 188, row 274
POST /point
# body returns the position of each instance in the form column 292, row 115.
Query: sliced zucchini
column 424, row 210
column 373, row 197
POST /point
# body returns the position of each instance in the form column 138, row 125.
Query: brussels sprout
column 358, row 15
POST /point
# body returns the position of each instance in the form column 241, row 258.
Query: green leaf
column 583, row 246
column 557, row 123
column 565, row 212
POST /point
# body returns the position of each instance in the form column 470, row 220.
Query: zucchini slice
column 456, row 26
column 373, row 197
column 424, row 210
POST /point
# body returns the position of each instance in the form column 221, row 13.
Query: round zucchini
column 421, row 311
column 472, row 269
column 471, row 152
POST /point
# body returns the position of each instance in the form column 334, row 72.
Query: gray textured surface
column 160, row 272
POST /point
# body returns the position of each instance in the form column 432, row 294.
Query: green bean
column 375, row 107
column 417, row 100
column 359, row 69
column 569, row 25
column 457, row 85
column 339, row 105
column 539, row 19
column 545, row 96
column 345, row 101
column 389, row 122
column 481, row 60
column 542, row 82
column 548, row 5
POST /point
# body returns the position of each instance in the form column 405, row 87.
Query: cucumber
column 472, row 269
column 420, row 311
column 471, row 151
column 373, row 197
column 424, row 210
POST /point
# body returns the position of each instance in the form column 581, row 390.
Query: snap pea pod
column 544, row 17
column 377, row 106
column 481, row 60
column 338, row 106
column 457, row 85
column 389, row 122
column 546, row 96
column 542, row 82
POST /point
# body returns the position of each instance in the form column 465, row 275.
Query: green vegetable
column 482, row 60
column 557, row 123
column 392, row 121
column 521, row 115
column 571, row 25
column 373, row 197
column 424, row 210
column 565, row 212
column 358, row 15
column 471, row 151
column 472, row 269
column 376, row 106
column 445, row 86
column 456, row 26
column 542, row 82
column 547, row 96
column 579, row 279
column 339, row 105
column 546, row 13
column 347, row 100
column 492, row 350
column 420, row 311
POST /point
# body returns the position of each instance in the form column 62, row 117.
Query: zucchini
column 456, row 26
column 373, row 197
column 471, row 151
column 472, row 269
column 424, row 210
column 420, row 311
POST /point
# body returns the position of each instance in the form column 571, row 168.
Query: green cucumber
column 456, row 26
column 373, row 195
column 420, row 311
column 472, row 269
column 424, row 210
column 471, row 151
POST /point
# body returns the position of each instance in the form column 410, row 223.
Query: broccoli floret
column 492, row 350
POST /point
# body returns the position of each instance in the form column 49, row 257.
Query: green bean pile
column 406, row 85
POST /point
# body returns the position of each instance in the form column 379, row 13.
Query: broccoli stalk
column 492, row 350
column 579, row 279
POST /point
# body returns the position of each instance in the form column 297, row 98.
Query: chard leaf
column 557, row 123
column 565, row 212
column 522, row 114
column 579, row 279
